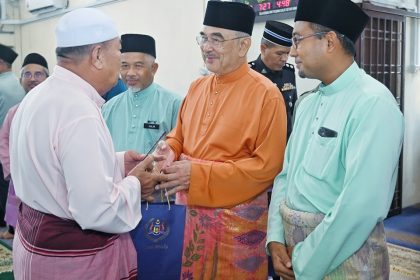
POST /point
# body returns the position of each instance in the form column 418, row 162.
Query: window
column 380, row 52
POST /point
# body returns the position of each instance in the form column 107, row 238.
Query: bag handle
column 161, row 196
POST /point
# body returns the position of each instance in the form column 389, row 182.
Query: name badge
column 151, row 125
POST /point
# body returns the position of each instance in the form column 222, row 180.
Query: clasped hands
column 158, row 171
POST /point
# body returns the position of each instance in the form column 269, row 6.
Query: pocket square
column 326, row 132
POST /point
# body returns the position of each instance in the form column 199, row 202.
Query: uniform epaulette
column 289, row 66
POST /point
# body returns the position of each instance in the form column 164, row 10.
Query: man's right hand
column 281, row 261
column 147, row 178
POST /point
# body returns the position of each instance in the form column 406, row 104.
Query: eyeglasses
column 297, row 39
column 214, row 41
column 38, row 75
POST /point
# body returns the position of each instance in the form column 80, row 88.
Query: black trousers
column 4, row 189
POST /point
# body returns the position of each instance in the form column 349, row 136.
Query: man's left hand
column 178, row 176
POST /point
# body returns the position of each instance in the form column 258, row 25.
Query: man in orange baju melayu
column 229, row 143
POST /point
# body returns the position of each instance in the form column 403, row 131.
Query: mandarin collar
column 343, row 81
column 234, row 75
column 143, row 92
column 76, row 80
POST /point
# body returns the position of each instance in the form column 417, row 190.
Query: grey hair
column 75, row 53
column 346, row 43
column 241, row 34
column 268, row 43
column 79, row 52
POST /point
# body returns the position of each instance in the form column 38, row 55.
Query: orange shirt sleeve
column 175, row 138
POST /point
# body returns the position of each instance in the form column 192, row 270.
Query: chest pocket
column 319, row 156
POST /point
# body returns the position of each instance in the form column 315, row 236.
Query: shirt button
column 217, row 92
column 134, row 116
column 133, row 126
column 211, row 103
column 137, row 105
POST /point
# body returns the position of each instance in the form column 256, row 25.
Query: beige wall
column 174, row 29
column 411, row 163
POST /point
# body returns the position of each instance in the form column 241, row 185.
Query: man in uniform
column 275, row 48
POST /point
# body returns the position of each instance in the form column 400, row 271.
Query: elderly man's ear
column 245, row 45
column 96, row 56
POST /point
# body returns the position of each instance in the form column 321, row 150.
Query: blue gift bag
column 158, row 239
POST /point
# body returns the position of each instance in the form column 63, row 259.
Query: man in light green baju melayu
column 341, row 163
column 139, row 116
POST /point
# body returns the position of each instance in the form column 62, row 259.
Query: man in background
column 34, row 71
column 228, row 144
column 79, row 198
column 115, row 90
column 340, row 169
column 275, row 49
column 11, row 93
column 146, row 111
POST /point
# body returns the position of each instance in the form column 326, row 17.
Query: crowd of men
column 76, row 169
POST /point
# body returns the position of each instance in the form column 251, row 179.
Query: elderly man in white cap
column 79, row 198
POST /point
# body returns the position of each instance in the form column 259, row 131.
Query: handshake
column 148, row 169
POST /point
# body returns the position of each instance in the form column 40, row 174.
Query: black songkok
column 35, row 58
column 138, row 43
column 343, row 16
column 230, row 15
column 278, row 33
column 7, row 54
